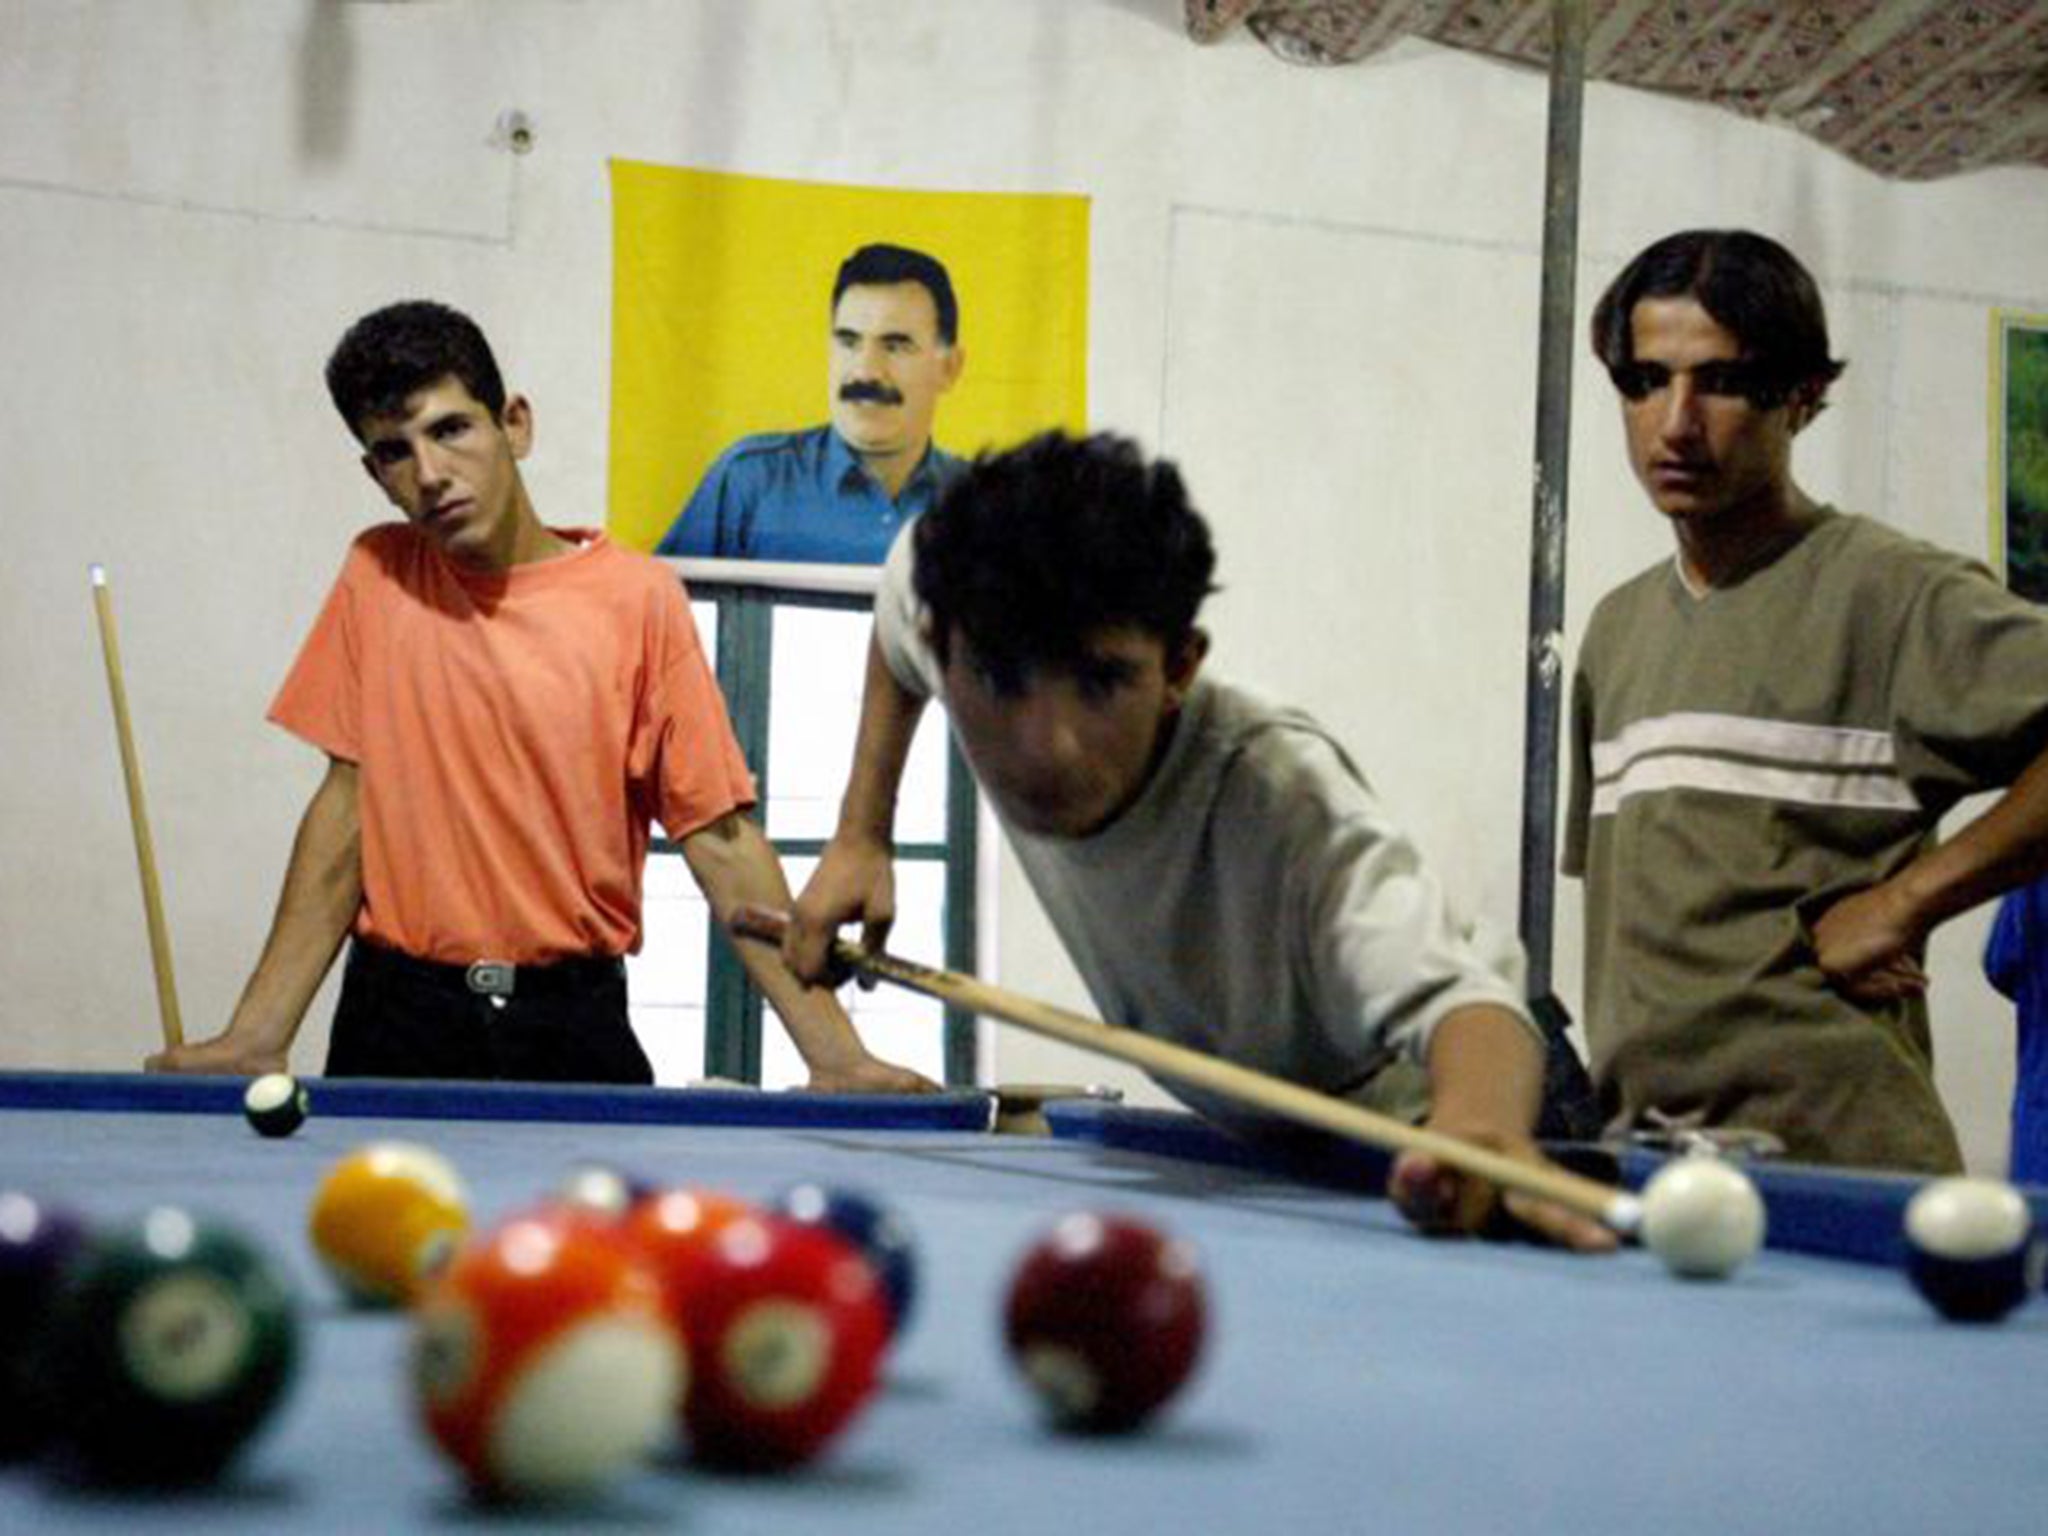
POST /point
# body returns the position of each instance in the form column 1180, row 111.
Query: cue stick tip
column 99, row 574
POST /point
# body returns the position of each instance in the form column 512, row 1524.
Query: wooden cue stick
column 138, row 816
column 1618, row 1210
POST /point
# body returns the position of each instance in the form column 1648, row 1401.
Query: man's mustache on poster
column 869, row 389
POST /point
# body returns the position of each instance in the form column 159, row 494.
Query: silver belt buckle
column 492, row 978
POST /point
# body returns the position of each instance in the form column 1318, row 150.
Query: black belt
column 499, row 979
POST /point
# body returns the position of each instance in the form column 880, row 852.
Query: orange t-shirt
column 515, row 733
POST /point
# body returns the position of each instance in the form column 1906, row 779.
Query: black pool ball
column 275, row 1104
column 1105, row 1320
column 37, row 1242
column 171, row 1340
column 870, row 1226
column 1971, row 1248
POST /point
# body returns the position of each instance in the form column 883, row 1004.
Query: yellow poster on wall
column 798, row 367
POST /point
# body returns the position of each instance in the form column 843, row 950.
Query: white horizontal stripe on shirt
column 1809, row 746
column 1881, row 791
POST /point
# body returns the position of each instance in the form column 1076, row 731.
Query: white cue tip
column 99, row 574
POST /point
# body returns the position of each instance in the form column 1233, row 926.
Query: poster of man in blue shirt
column 838, row 492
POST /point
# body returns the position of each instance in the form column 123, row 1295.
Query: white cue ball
column 1703, row 1217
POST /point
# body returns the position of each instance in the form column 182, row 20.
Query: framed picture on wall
column 2019, row 450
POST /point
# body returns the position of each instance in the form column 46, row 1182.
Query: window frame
column 745, row 643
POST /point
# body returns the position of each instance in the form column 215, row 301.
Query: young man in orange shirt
column 505, row 708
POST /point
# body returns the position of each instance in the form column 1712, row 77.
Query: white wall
column 1317, row 288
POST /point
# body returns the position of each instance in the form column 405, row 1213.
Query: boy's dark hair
column 881, row 265
column 1031, row 551
column 393, row 353
column 1751, row 285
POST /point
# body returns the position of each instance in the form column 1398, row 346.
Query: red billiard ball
column 784, row 1328
column 1105, row 1320
column 542, row 1359
column 871, row 1227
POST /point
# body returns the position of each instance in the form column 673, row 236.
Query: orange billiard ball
column 543, row 1360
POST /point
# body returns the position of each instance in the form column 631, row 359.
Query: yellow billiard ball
column 385, row 1220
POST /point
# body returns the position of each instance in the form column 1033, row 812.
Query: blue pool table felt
column 1359, row 1376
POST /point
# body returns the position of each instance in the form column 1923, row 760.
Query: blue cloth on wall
column 2016, row 962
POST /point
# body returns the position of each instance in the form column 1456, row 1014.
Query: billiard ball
column 1702, row 1217
column 673, row 1225
column 1105, row 1320
column 783, row 1327
column 171, row 1341
column 37, row 1242
column 542, row 1357
column 602, row 1188
column 385, row 1217
column 1971, row 1249
column 275, row 1104
column 871, row 1227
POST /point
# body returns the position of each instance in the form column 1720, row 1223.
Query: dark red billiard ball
column 872, row 1227
column 171, row 1341
column 1971, row 1248
column 783, row 1327
column 37, row 1242
column 542, row 1360
column 1105, row 1320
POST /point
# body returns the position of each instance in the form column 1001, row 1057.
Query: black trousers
column 401, row 1017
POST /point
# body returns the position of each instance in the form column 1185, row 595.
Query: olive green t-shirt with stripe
column 1742, row 759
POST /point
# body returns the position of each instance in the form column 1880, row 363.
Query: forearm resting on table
column 323, row 890
column 735, row 864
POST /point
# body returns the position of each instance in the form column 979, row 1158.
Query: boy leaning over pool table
column 1215, row 865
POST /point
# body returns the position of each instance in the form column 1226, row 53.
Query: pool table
column 1359, row 1377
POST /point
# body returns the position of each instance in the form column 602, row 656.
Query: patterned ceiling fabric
column 1913, row 89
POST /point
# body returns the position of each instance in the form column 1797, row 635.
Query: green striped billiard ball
column 171, row 1341
column 275, row 1104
